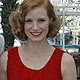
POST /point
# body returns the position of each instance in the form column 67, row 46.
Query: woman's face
column 36, row 24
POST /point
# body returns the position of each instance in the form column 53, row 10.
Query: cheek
column 45, row 26
column 26, row 27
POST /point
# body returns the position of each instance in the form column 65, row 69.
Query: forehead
column 38, row 11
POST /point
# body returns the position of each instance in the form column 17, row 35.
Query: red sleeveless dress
column 16, row 70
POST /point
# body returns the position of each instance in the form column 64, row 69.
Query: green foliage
column 68, row 21
column 7, row 7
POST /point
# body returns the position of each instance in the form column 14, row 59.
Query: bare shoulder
column 67, row 61
column 68, row 67
column 67, row 58
column 3, row 66
column 3, row 60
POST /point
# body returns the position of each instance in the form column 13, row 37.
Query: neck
column 37, row 47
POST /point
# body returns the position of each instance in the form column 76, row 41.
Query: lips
column 36, row 33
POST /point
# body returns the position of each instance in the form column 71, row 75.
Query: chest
column 35, row 62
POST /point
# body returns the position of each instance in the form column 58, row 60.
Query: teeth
column 35, row 33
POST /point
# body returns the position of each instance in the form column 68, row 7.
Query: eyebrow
column 38, row 18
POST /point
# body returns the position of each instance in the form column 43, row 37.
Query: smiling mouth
column 36, row 33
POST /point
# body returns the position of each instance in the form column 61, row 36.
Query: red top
column 16, row 70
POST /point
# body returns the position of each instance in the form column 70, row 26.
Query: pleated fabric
column 16, row 70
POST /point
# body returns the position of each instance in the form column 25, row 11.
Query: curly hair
column 17, row 18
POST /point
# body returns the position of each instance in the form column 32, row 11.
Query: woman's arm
column 68, row 67
column 3, row 66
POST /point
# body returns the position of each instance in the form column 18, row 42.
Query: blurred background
column 68, row 38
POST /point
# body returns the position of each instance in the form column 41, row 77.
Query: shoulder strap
column 58, row 53
column 12, row 55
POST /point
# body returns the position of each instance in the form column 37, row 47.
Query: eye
column 29, row 20
column 41, row 20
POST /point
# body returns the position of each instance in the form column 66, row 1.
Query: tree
column 7, row 7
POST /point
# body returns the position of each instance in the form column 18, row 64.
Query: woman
column 35, row 21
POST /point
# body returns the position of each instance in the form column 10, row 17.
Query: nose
column 35, row 26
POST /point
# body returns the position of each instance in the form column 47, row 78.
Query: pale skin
column 37, row 50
